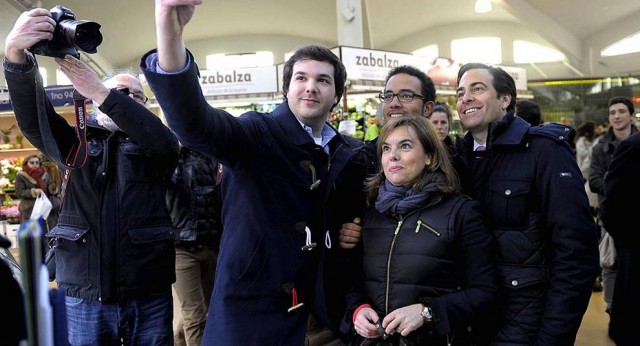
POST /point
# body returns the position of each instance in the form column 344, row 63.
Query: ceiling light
column 483, row 6
column 627, row 45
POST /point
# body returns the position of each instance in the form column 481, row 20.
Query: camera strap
column 77, row 155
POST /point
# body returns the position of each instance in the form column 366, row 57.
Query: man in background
column 621, row 113
column 529, row 111
column 194, row 203
column 407, row 91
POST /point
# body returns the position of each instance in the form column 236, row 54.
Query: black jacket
column 114, row 236
column 194, row 201
column 534, row 201
column 618, row 216
column 441, row 255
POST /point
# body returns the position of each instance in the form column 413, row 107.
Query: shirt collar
column 327, row 134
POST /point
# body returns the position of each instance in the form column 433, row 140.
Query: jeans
column 133, row 321
column 195, row 272
column 608, row 283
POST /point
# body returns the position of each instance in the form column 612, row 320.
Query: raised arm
column 171, row 18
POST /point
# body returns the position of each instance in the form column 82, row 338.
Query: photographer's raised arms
column 114, row 243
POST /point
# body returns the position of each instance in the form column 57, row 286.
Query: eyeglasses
column 33, row 162
column 137, row 96
column 403, row 96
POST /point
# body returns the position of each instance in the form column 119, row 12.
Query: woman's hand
column 364, row 323
column 404, row 320
column 35, row 192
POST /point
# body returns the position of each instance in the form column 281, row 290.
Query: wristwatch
column 426, row 314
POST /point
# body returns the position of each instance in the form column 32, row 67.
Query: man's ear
column 427, row 109
column 506, row 100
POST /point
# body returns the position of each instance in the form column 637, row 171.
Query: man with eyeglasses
column 113, row 244
column 407, row 91
column 529, row 183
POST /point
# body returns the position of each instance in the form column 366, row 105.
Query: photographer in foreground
column 114, row 246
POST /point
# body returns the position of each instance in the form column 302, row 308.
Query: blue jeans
column 135, row 321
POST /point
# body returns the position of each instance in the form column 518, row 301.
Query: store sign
column 60, row 95
column 367, row 64
column 519, row 75
column 249, row 80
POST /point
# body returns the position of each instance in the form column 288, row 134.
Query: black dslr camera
column 69, row 36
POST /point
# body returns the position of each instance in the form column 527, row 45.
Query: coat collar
column 509, row 130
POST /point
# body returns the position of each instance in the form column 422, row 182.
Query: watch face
column 426, row 313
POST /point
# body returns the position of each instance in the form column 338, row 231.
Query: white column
column 349, row 14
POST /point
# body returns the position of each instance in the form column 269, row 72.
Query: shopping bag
column 41, row 208
column 607, row 251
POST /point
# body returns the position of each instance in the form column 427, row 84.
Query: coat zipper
column 429, row 228
column 393, row 242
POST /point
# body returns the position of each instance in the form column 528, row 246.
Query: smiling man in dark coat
column 535, row 204
column 283, row 173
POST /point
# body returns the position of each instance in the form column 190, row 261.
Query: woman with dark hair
column 30, row 183
column 428, row 269
column 585, row 137
column 442, row 118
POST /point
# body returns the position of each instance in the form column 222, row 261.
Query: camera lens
column 83, row 34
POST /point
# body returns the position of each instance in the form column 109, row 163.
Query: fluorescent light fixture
column 366, row 87
column 445, row 92
column 483, row 6
column 627, row 45
column 525, row 52
column 486, row 50
column 224, row 61
column 525, row 96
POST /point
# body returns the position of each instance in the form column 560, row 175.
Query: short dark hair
column 502, row 81
column 625, row 101
column 529, row 111
column 316, row 53
column 428, row 88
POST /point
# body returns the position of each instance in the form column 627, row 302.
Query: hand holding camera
column 31, row 27
column 54, row 33
column 69, row 35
